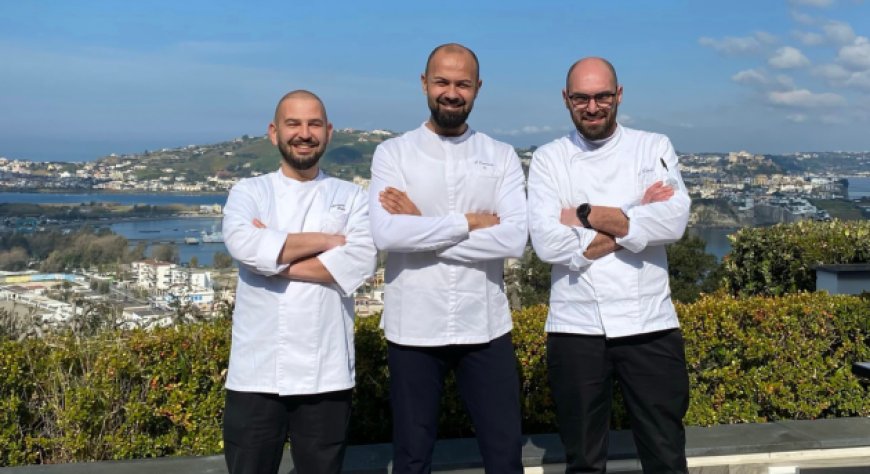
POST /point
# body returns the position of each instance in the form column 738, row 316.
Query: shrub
column 763, row 359
column 780, row 259
column 140, row 394
column 114, row 396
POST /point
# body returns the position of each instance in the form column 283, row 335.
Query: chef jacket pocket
column 335, row 220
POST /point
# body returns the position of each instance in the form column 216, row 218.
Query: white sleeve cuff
column 271, row 244
column 578, row 260
column 636, row 239
column 346, row 276
column 459, row 227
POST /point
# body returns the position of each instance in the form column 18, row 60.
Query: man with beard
column 606, row 200
column 303, row 245
column 447, row 204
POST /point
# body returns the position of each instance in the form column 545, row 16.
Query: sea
column 174, row 230
column 153, row 231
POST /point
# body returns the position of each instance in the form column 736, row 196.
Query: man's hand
column 397, row 202
column 603, row 244
column 308, row 269
column 481, row 221
column 569, row 217
column 657, row 192
column 320, row 241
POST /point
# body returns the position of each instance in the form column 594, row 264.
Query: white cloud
column 750, row 76
column 812, row 3
column 809, row 38
column 760, row 78
column 841, row 77
column 859, row 79
column 788, row 57
column 741, row 44
column 796, row 118
column 785, row 81
column 857, row 54
column 839, row 32
column 832, row 72
column 626, row 119
column 804, row 98
column 802, row 18
column 765, row 37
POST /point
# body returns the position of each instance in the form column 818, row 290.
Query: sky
column 83, row 79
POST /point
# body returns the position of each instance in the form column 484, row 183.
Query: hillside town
column 753, row 189
column 729, row 190
column 145, row 294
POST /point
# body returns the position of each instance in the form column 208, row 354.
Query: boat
column 215, row 236
column 191, row 241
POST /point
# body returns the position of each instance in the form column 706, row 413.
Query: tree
column 165, row 253
column 14, row 259
column 692, row 271
column 222, row 260
column 528, row 283
column 194, row 262
column 136, row 253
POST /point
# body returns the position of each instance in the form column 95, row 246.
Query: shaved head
column 454, row 48
column 300, row 94
column 590, row 61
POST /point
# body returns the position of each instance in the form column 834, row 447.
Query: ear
column 479, row 85
column 565, row 99
column 273, row 134
column 618, row 95
column 329, row 131
column 423, row 84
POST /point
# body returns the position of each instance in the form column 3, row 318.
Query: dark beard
column 448, row 120
column 297, row 163
column 606, row 130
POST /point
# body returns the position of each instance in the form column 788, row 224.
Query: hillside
column 349, row 154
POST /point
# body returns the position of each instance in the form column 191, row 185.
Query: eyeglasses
column 604, row 100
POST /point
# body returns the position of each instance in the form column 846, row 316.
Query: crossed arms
column 398, row 225
column 611, row 223
column 658, row 217
column 315, row 257
column 300, row 253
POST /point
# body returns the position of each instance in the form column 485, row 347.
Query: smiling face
column 301, row 132
column 593, row 77
column 451, row 84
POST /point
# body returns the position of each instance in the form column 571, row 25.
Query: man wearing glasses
column 603, row 203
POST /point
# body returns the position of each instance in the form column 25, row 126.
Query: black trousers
column 489, row 386
column 256, row 425
column 651, row 369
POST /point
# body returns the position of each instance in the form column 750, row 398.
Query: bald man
column 448, row 206
column 302, row 242
column 606, row 201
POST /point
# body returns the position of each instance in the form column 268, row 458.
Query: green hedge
column 144, row 394
column 763, row 359
column 779, row 259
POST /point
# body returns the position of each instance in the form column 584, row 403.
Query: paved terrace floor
column 834, row 446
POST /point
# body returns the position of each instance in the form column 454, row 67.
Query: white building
column 153, row 275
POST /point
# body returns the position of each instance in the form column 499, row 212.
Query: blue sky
column 83, row 79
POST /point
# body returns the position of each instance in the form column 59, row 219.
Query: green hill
column 349, row 154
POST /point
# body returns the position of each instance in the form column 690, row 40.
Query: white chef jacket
column 625, row 292
column 444, row 284
column 295, row 337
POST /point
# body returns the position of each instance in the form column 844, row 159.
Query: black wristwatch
column 583, row 211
